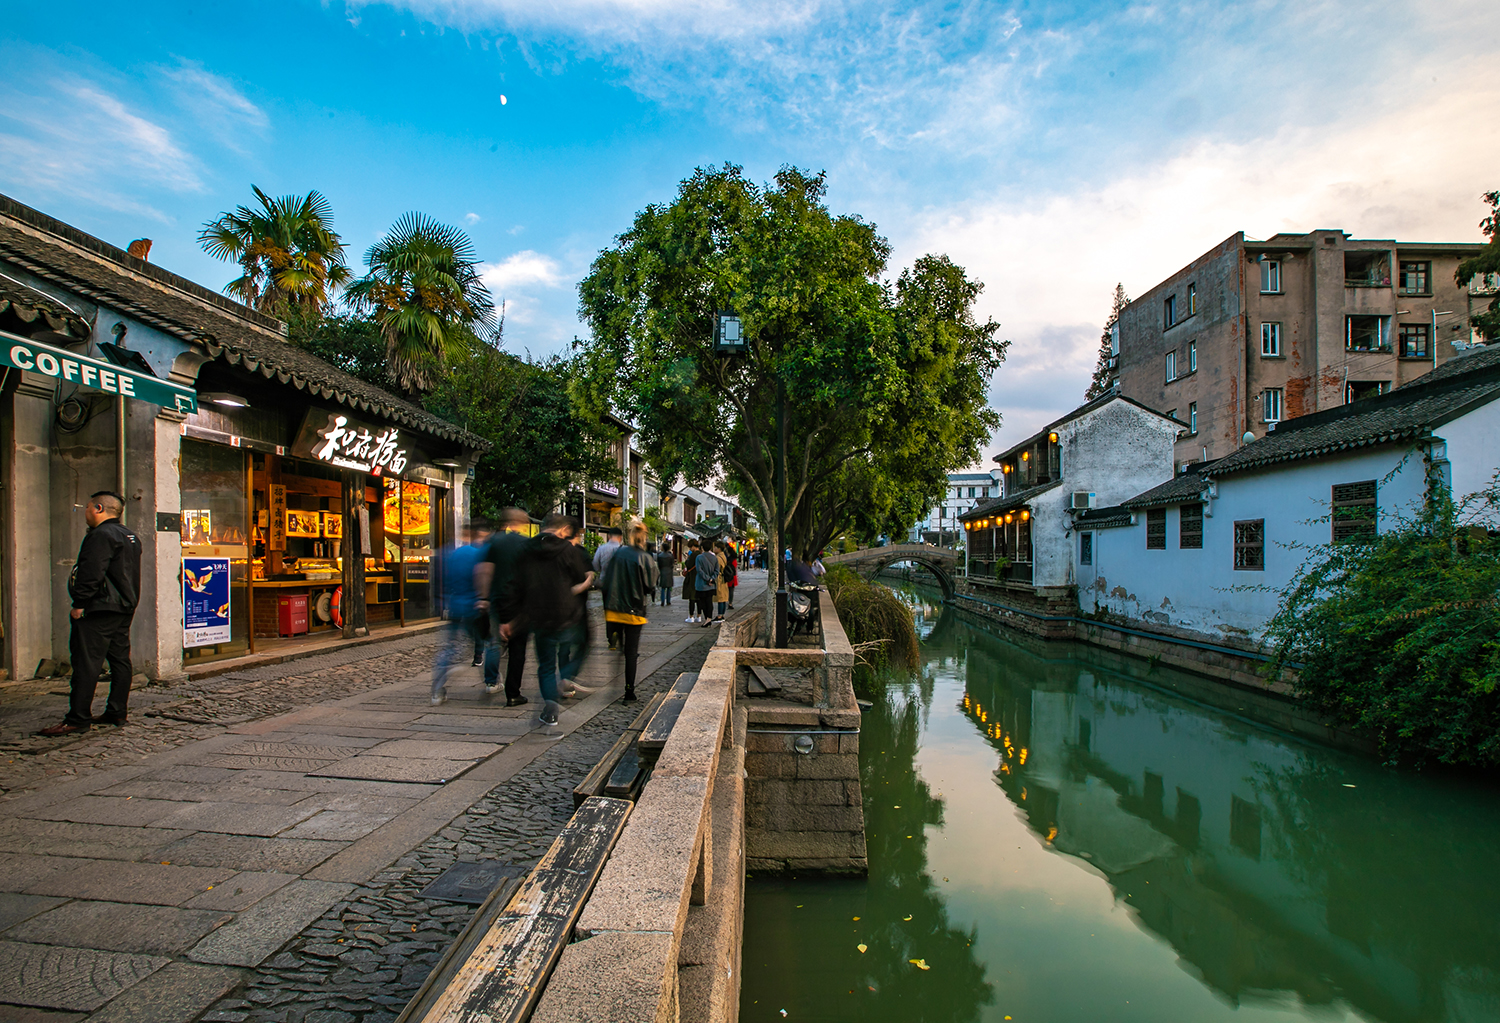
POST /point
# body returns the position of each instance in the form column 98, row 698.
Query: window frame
column 1425, row 274
column 1169, row 312
column 1190, row 539
column 1270, row 331
column 1156, row 529
column 1171, row 365
column 1086, row 548
column 1359, row 502
column 1249, row 535
column 1270, row 276
column 1192, row 356
column 1424, row 329
column 1192, row 299
column 1192, row 417
column 1266, row 402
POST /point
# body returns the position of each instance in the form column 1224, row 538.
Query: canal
column 1057, row 835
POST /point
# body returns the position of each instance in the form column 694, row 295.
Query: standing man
column 606, row 551
column 105, row 587
column 627, row 588
column 664, row 577
column 495, row 580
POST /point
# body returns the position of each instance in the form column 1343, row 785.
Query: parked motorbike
column 802, row 608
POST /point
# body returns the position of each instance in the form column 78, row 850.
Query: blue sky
column 1052, row 149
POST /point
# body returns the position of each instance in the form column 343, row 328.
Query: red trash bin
column 291, row 615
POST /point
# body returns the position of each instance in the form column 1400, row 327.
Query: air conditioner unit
column 1082, row 499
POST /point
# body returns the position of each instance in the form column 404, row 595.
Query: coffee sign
column 334, row 439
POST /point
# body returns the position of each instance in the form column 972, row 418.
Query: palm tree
column 426, row 294
column 290, row 254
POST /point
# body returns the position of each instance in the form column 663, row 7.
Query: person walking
column 721, row 584
column 627, row 588
column 573, row 653
column 105, row 588
column 495, row 582
column 606, row 551
column 665, row 569
column 734, row 570
column 459, row 577
column 690, row 581
column 706, row 582
column 550, row 577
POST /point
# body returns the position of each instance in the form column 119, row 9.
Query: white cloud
column 215, row 95
column 519, row 281
column 472, row 218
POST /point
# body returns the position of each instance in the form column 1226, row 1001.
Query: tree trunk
column 773, row 565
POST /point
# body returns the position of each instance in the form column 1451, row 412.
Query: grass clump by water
column 878, row 625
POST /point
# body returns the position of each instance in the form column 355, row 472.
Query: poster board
column 333, row 524
column 303, row 523
column 205, row 601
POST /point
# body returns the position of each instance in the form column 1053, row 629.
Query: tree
column 349, row 341
column 544, row 444
column 290, row 257
column 839, row 365
column 1486, row 262
column 423, row 288
column 1104, row 369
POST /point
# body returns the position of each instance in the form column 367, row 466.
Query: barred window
column 1156, row 529
column 1085, row 548
column 1354, row 511
column 1250, row 545
column 1190, row 527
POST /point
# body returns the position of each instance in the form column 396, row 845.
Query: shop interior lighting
column 226, row 399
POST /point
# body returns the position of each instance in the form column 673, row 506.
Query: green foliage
column 349, row 341
column 1099, row 382
column 878, row 624
column 544, row 445
column 1399, row 636
column 1487, row 262
column 424, row 290
column 290, row 257
column 656, row 524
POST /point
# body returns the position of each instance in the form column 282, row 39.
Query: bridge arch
column 869, row 562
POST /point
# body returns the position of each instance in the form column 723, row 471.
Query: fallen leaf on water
column 1348, row 786
column 920, row 964
column 862, row 948
column 856, row 918
column 945, row 879
column 907, row 917
column 895, row 808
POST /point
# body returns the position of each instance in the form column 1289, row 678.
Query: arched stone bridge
column 940, row 561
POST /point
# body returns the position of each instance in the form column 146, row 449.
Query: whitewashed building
column 943, row 523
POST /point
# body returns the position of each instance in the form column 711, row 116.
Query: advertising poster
column 205, row 601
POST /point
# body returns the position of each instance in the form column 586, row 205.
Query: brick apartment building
column 1251, row 333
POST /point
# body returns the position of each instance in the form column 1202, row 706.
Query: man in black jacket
column 495, row 583
column 105, row 587
column 551, row 574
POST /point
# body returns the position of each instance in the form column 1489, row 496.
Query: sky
column 1052, row 149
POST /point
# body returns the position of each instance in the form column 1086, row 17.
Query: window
column 1367, row 333
column 1250, row 545
column 1415, row 278
column 1367, row 269
column 1156, row 529
column 1171, row 366
column 1192, row 356
column 1085, row 548
column 1270, row 340
column 1355, row 390
column 1192, row 299
column 1169, row 310
column 1270, row 405
column 1270, row 276
column 1190, row 527
column 1413, row 341
column 1192, row 417
column 1354, row 512
column 971, row 491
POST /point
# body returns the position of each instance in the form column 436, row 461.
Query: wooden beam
column 654, row 736
column 594, row 782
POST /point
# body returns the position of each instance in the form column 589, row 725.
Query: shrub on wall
column 878, row 625
column 1399, row 636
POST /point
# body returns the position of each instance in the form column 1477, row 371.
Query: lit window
column 1270, row 340
column 1192, row 417
column 1354, row 512
column 1156, row 529
column 1171, row 366
column 1192, row 356
column 1250, row 545
column 1270, row 405
column 1192, row 299
column 1169, row 310
column 1270, row 276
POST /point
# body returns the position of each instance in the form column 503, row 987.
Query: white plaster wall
column 1473, row 449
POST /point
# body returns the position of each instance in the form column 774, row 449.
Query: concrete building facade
column 943, row 524
column 1252, row 333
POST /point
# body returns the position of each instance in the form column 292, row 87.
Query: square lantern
column 728, row 335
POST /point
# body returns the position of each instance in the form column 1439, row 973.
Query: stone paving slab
column 310, row 751
column 299, row 765
column 241, row 891
column 27, row 1014
column 19, row 872
column 15, row 908
column 399, row 769
column 119, row 927
column 246, row 852
column 157, row 884
column 194, row 774
column 177, row 993
column 435, row 749
column 372, row 718
column 287, row 781
column 476, row 724
column 339, row 825
column 58, row 977
column 238, row 818
column 326, row 738
column 126, row 811
column 361, row 802
column 256, row 934
column 97, row 841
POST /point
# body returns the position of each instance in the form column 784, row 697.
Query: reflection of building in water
column 1246, row 851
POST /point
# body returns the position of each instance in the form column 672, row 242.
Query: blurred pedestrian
column 819, row 570
column 459, row 576
column 665, row 567
column 495, row 585
column 551, row 574
column 627, row 588
column 734, row 569
column 690, row 581
column 706, row 582
column 612, row 540
column 104, row 588
column 721, row 585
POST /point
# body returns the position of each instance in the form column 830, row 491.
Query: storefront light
column 225, row 399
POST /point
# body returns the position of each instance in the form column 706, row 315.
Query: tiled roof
column 1077, row 413
column 29, row 304
column 229, row 331
column 1185, row 486
column 1405, row 414
column 1102, row 518
column 1003, row 504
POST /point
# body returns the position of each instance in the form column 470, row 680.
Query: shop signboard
column 61, row 364
column 334, row 439
column 205, row 601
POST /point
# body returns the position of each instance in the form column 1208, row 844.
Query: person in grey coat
column 665, row 567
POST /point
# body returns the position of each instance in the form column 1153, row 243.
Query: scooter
column 802, row 607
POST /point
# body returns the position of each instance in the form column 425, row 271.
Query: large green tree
column 423, row 288
column 1486, row 262
column 290, row 257
column 840, row 365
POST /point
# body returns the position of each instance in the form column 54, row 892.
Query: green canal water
column 1065, row 837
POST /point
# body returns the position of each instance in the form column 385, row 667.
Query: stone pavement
column 272, row 869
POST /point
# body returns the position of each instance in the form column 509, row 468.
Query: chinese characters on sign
column 351, row 446
column 277, row 523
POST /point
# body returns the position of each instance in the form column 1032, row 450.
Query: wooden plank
column 763, row 680
column 654, row 735
column 623, row 780
column 482, row 920
column 502, row 977
column 595, row 781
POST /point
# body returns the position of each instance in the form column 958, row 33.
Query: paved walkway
column 272, row 869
